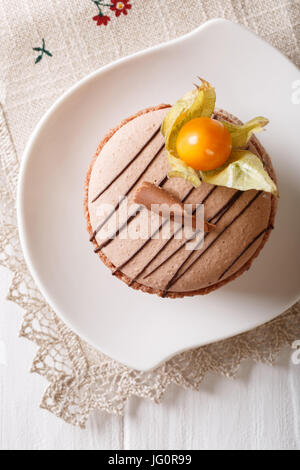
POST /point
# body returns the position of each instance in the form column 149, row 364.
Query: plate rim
column 153, row 363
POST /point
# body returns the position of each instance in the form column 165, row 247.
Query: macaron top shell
column 166, row 264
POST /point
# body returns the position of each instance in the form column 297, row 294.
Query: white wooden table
column 260, row 409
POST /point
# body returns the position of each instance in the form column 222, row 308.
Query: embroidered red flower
column 115, row 5
column 120, row 7
column 101, row 19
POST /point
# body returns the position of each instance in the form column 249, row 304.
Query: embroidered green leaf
column 182, row 170
column 42, row 50
column 243, row 170
column 241, row 134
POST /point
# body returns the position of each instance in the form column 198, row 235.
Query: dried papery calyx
column 209, row 154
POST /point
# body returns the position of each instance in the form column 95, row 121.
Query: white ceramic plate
column 138, row 329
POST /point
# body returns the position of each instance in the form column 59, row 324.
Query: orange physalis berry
column 204, row 144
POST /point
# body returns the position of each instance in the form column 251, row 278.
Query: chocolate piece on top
column 163, row 202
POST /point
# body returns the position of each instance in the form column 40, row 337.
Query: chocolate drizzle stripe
column 212, row 243
column 117, row 232
column 128, row 164
column 127, row 222
column 116, row 207
column 182, row 264
column 169, row 240
column 140, row 249
column 148, row 239
column 219, row 213
column 210, row 192
column 171, row 255
column 126, row 194
column 245, row 249
column 218, row 216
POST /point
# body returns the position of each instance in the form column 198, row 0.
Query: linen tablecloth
column 45, row 47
